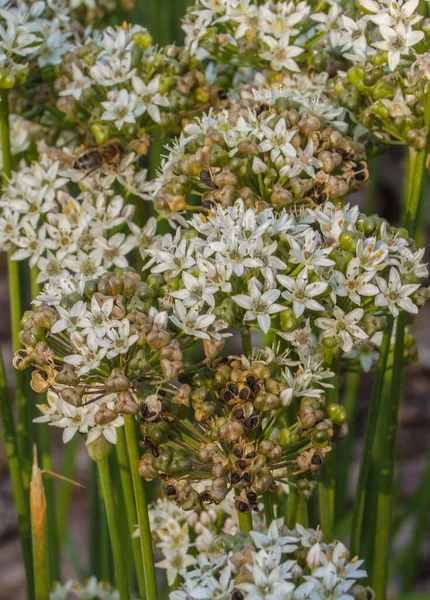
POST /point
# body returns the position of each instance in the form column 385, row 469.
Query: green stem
column 344, row 449
column 65, row 490
column 246, row 342
column 20, row 500
column 269, row 511
column 326, row 487
column 292, row 508
column 108, row 497
column 142, row 509
column 326, row 497
column 94, row 525
column 130, row 506
column 245, row 522
column 54, row 550
column 384, row 458
column 15, row 297
column 369, row 437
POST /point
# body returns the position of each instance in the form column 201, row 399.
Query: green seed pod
column 321, row 439
column 337, row 413
column 158, row 432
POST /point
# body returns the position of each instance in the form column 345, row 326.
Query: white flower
column 259, row 305
column 330, row 23
column 301, row 293
column 196, row 291
column 120, row 339
column 397, row 41
column 281, row 53
column 343, row 327
column 355, row 283
column 121, row 108
column 277, row 140
column 191, row 322
column 149, row 100
column 394, row 295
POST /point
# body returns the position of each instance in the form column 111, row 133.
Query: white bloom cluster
column 62, row 230
column 97, row 590
column 283, row 35
column 34, row 31
column 74, row 419
column 319, row 270
column 173, row 527
column 271, row 565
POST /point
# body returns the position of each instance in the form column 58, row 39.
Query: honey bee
column 318, row 194
column 94, row 158
column 218, row 98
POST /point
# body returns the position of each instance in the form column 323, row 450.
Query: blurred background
column 411, row 524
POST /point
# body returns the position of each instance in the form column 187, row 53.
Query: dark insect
column 93, row 159
column 170, row 490
column 261, row 108
column 206, row 177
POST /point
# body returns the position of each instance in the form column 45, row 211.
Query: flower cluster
column 96, row 344
column 65, row 228
column 173, row 529
column 276, row 147
column 97, row 590
column 327, row 275
column 34, row 32
column 239, row 437
column 278, row 564
column 294, row 36
column 117, row 83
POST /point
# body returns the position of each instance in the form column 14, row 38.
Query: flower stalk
column 15, row 297
column 99, row 452
column 142, row 508
column 20, row 500
column 130, row 507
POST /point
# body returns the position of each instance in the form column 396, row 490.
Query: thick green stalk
column 245, row 522
column 64, row 490
column 269, row 510
column 20, row 500
column 130, row 506
column 54, row 549
column 15, row 298
column 326, row 497
column 95, row 546
column 384, row 457
column 366, row 459
column 326, row 487
column 292, row 508
column 344, row 448
column 108, row 497
column 142, row 509
column 246, row 342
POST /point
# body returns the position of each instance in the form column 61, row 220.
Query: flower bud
column 125, row 404
column 213, row 347
column 117, row 382
column 72, row 395
column 104, row 415
column 99, row 449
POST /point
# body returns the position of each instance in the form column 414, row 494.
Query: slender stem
column 326, row 487
column 142, row 509
column 107, row 491
column 326, row 497
column 269, row 511
column 246, row 342
column 15, row 297
column 372, row 419
column 383, row 457
column 54, row 550
column 64, row 491
column 39, row 533
column 344, row 449
column 245, row 522
column 20, row 500
column 292, row 508
column 130, row 506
